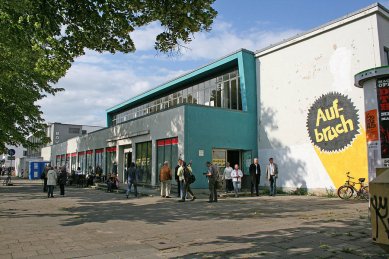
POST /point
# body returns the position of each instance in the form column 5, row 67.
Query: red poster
column 371, row 125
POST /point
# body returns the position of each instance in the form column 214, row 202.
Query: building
column 299, row 76
column 58, row 133
column 293, row 101
column 194, row 117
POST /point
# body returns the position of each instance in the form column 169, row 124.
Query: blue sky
column 98, row 81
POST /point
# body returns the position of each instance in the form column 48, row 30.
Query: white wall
column 290, row 79
column 166, row 124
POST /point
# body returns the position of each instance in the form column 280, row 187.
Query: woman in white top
column 227, row 177
column 236, row 176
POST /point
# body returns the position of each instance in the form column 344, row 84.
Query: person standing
column 177, row 178
column 212, row 175
column 272, row 175
column 131, row 180
column 165, row 177
column 181, row 179
column 63, row 177
column 51, row 182
column 236, row 176
column 227, row 177
column 255, row 175
column 44, row 177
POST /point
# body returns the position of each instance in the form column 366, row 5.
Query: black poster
column 383, row 107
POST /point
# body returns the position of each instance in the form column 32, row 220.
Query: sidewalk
column 89, row 223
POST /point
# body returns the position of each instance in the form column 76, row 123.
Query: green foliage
column 300, row 191
column 39, row 40
column 331, row 193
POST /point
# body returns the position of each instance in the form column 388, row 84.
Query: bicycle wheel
column 364, row 193
column 345, row 192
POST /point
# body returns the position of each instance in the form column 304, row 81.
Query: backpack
column 191, row 178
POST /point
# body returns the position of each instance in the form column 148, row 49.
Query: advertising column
column 383, row 107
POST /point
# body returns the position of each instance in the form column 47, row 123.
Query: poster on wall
column 383, row 106
column 371, row 125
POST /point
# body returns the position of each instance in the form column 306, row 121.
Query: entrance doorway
column 127, row 160
column 221, row 156
column 234, row 157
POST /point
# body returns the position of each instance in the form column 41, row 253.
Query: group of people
column 183, row 176
column 233, row 177
column 51, row 176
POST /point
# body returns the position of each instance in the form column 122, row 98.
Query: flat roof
column 194, row 74
column 376, row 7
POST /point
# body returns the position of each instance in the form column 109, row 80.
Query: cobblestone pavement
column 94, row 224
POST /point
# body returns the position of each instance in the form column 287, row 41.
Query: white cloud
column 99, row 81
column 91, row 89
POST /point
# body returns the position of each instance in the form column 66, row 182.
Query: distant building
column 58, row 133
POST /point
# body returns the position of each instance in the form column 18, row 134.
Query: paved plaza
column 95, row 224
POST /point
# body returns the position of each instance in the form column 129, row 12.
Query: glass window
column 234, row 95
column 219, row 95
column 200, row 96
column 184, row 96
column 171, row 100
column 239, row 97
column 207, row 97
column 190, row 96
column 143, row 161
column 226, row 95
column 195, row 90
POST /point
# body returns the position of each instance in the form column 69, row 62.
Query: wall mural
column 332, row 122
column 338, row 137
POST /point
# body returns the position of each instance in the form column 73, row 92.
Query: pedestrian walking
column 177, row 178
column 44, row 177
column 213, row 175
column 132, row 180
column 255, row 176
column 63, row 177
column 236, row 176
column 227, row 178
column 51, row 182
column 272, row 175
column 187, row 170
column 165, row 177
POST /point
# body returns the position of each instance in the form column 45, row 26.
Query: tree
column 39, row 40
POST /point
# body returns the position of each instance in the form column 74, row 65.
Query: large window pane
column 190, row 96
column 239, row 97
column 184, row 96
column 226, row 95
column 207, row 97
column 195, row 90
column 219, row 95
column 234, row 95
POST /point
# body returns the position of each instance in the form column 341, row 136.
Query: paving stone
column 94, row 224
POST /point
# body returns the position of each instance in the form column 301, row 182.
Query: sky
column 96, row 82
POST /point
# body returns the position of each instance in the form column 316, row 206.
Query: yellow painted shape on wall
column 352, row 159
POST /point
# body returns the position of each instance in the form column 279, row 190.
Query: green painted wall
column 207, row 127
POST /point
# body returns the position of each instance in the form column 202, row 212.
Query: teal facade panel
column 207, row 128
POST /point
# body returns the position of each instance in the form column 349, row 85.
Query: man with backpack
column 185, row 176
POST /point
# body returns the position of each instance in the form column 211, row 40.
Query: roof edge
column 126, row 102
column 277, row 45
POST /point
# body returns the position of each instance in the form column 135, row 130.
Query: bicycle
column 347, row 190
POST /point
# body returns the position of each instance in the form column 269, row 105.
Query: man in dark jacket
column 132, row 180
column 213, row 175
column 176, row 177
column 255, row 176
column 63, row 177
